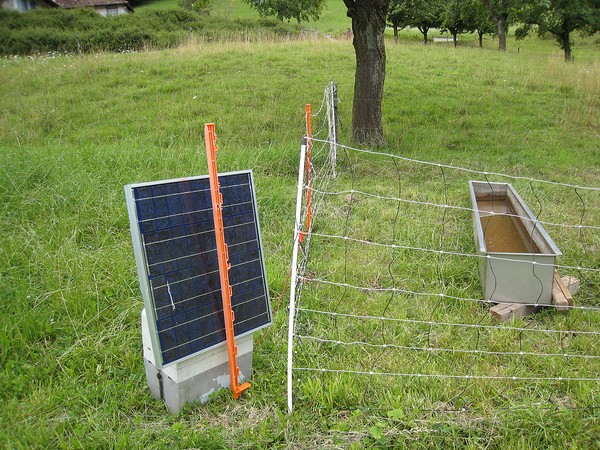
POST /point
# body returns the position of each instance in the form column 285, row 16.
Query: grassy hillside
column 74, row 131
column 333, row 18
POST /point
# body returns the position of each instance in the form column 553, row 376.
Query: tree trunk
column 395, row 27
column 424, row 30
column 368, row 25
column 480, row 39
column 501, row 21
column 454, row 41
column 565, row 43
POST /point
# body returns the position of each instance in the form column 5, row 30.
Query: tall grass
column 74, row 131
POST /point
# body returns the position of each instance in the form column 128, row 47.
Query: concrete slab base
column 196, row 378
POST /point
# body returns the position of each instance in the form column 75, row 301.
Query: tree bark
column 395, row 27
column 368, row 25
column 565, row 43
column 501, row 22
column 500, row 18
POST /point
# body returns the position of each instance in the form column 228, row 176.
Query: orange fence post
column 223, row 255
column 308, row 166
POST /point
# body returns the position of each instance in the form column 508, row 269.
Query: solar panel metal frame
column 143, row 269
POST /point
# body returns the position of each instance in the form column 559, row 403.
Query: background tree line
column 371, row 17
column 557, row 17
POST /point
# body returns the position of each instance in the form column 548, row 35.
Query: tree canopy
column 453, row 17
column 301, row 10
column 420, row 14
column 478, row 19
column 561, row 18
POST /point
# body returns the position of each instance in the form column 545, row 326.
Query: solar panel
column 175, row 247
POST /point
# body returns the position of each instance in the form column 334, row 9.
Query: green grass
column 234, row 9
column 229, row 9
column 333, row 21
column 333, row 18
column 74, row 131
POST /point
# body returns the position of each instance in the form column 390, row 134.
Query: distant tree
column 561, row 18
column 420, row 14
column 368, row 25
column 477, row 19
column 398, row 16
column 501, row 11
column 301, row 10
column 453, row 18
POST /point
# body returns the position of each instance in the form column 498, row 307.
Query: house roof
column 70, row 4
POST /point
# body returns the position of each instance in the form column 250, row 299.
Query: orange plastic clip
column 223, row 255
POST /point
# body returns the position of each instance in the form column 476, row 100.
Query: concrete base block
column 196, row 378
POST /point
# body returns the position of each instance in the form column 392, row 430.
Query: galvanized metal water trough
column 518, row 255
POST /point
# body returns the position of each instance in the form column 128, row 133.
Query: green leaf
column 396, row 414
column 341, row 426
column 376, row 432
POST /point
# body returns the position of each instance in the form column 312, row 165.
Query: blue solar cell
column 177, row 238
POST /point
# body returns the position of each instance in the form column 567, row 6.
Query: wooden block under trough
column 563, row 290
column 571, row 283
column 561, row 296
column 504, row 312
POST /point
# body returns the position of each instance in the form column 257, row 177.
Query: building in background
column 102, row 7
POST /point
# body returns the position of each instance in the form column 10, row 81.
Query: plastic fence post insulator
column 294, row 274
column 223, row 257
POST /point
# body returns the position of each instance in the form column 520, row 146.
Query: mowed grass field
column 74, row 131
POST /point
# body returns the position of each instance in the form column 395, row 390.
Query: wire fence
column 386, row 296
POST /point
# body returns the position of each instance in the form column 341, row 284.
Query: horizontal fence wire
column 458, row 168
column 439, row 205
column 443, row 349
column 439, row 295
column 451, row 324
column 446, row 376
column 451, row 253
